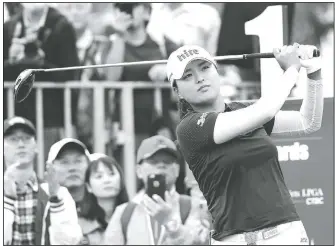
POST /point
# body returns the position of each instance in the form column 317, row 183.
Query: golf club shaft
column 126, row 64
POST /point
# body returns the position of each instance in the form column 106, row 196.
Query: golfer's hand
column 288, row 56
column 52, row 180
column 121, row 22
column 305, row 53
column 157, row 72
column 162, row 211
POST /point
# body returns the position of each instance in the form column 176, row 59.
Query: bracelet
column 54, row 199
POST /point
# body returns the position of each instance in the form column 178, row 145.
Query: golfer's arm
column 231, row 124
column 116, row 55
column 309, row 118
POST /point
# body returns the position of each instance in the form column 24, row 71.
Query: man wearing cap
column 34, row 213
column 155, row 221
column 70, row 159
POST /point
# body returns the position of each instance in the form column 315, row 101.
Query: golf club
column 25, row 81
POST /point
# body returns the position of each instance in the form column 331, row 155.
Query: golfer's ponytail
column 184, row 107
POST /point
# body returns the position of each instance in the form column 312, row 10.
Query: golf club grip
column 316, row 53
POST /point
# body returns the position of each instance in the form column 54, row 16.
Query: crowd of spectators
column 83, row 198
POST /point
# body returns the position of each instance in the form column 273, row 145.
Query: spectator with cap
column 155, row 221
column 70, row 159
column 105, row 190
column 34, row 213
column 132, row 43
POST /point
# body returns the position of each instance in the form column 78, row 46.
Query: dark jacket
column 58, row 41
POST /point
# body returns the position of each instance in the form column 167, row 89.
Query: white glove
column 307, row 60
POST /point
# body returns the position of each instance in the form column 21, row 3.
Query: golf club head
column 23, row 85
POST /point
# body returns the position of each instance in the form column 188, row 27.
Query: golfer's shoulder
column 194, row 122
column 184, row 123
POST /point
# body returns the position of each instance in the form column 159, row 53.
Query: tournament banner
column 308, row 167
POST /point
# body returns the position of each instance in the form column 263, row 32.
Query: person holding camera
column 157, row 214
column 40, row 37
column 34, row 213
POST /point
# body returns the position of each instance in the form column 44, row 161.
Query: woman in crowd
column 105, row 191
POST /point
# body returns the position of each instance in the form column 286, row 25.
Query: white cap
column 179, row 59
column 58, row 146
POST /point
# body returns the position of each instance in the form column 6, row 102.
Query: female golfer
column 229, row 149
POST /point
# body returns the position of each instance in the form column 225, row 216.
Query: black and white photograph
column 168, row 123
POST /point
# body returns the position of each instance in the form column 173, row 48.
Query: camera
column 156, row 185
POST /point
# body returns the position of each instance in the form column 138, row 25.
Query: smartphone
column 156, row 185
column 125, row 7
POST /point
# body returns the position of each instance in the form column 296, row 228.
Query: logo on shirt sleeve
column 202, row 119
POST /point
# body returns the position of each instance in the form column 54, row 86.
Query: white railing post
column 158, row 101
column 129, row 151
column 10, row 103
column 99, row 119
column 40, row 132
column 67, row 112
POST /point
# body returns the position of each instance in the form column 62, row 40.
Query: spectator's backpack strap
column 185, row 204
column 125, row 218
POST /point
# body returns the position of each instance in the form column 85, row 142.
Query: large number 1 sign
column 269, row 27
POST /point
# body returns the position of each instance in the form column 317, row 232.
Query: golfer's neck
column 217, row 105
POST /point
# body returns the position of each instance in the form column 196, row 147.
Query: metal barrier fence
column 127, row 115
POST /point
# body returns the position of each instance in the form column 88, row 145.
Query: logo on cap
column 188, row 53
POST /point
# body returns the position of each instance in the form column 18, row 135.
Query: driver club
column 25, row 81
